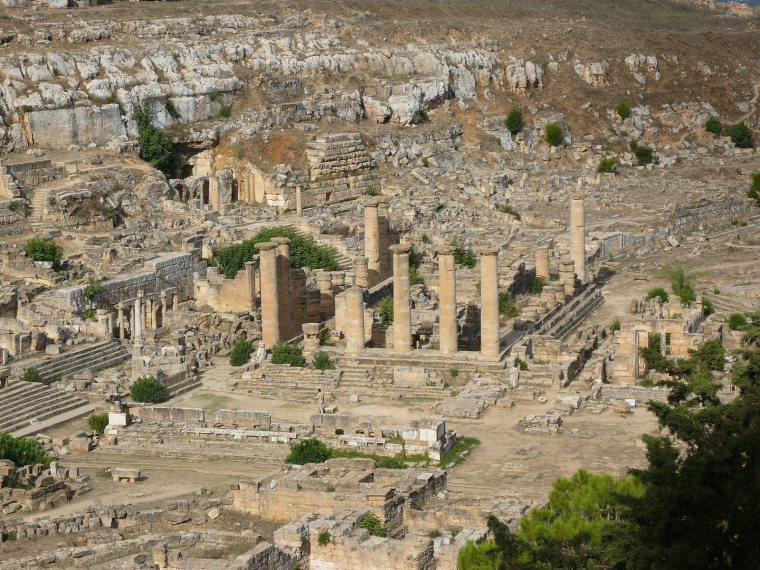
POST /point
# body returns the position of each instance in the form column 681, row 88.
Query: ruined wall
column 222, row 294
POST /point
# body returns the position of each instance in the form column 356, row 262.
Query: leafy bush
column 464, row 256
column 372, row 523
column 644, row 154
column 507, row 209
column 607, row 165
column 708, row 306
column 615, row 325
column 658, row 292
column 22, row 451
column 385, row 307
column 507, row 305
column 740, row 134
column 309, row 451
column 322, row 361
column 714, row 126
column 284, row 353
column 521, row 364
column 93, row 289
column 15, row 206
column 304, row 252
column 514, row 121
column 171, row 109
column 554, row 134
column 148, row 390
column 623, row 109
column 241, row 352
column 27, row 108
column 90, row 315
column 372, row 191
column 31, row 375
column 537, row 286
column 754, row 189
column 425, row 161
column 324, row 538
column 225, row 111
column 736, row 321
column 454, row 372
column 155, row 145
column 43, row 249
column 98, row 422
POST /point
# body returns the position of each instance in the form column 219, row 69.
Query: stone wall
column 222, row 294
column 641, row 394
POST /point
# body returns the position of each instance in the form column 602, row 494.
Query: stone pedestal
column 310, row 338
column 578, row 235
column 354, row 322
column 567, row 274
column 361, row 272
column 402, row 314
column 489, row 302
column 447, row 299
column 270, row 314
column 542, row 264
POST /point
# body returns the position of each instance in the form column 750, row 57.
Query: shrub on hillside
column 98, row 422
column 554, row 134
column 31, row 375
column 658, row 292
column 754, row 189
column 607, row 165
column 156, row 146
column 714, row 126
column 284, row 353
column 322, row 361
column 372, row 523
column 22, row 451
column 43, row 249
column 644, row 154
column 623, row 109
column 736, row 321
column 309, row 451
column 514, row 121
column 148, row 390
column 241, row 352
column 740, row 134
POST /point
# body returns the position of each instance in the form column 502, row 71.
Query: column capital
column 120, row 306
column 487, row 250
column 375, row 201
column 280, row 241
column 140, row 294
column 265, row 245
column 579, row 196
column 400, row 248
column 445, row 250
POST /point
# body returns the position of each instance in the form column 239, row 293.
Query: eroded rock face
column 594, row 73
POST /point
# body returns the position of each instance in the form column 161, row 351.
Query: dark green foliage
column 460, row 451
column 309, row 451
column 372, row 523
column 225, row 111
column 607, row 165
column 754, row 189
column 15, row 206
column 740, row 134
column 658, row 292
column 22, row 451
column 93, row 289
column 171, row 109
column 714, row 126
column 752, row 330
column 241, row 352
column 554, row 134
column 615, row 325
column 463, row 255
column 148, row 390
column 31, row 375
column 304, row 252
column 155, row 145
column 324, row 538
column 623, row 109
column 284, row 353
column 27, row 108
column 322, row 361
column 507, row 209
column 514, row 121
column 708, row 306
column 385, row 307
column 681, row 280
column 507, row 305
column 98, row 422
column 414, row 276
column 736, row 321
column 90, row 315
column 43, row 249
column 372, row 191
column 644, row 154
column 537, row 286
column 521, row 364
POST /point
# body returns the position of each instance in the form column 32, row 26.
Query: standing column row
column 402, row 317
column 578, row 236
column 489, row 302
column 447, row 299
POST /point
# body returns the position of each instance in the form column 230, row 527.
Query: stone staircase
column 299, row 384
column 94, row 358
column 29, row 407
column 183, row 386
column 728, row 305
column 573, row 313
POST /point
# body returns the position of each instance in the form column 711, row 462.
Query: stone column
column 489, row 302
column 283, row 286
column 384, row 232
column 372, row 241
column 402, row 315
column 313, row 305
column 120, row 310
column 270, row 313
column 138, row 330
column 361, row 272
column 542, row 264
column 132, row 322
column 175, row 301
column 250, row 275
column 567, row 275
column 354, row 319
column 164, row 305
column 310, row 338
column 298, row 298
column 327, row 301
column 578, row 236
column 447, row 299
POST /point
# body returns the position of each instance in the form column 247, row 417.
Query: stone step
column 184, row 387
column 54, row 421
column 77, row 355
column 94, row 358
column 32, row 408
column 19, row 399
column 43, row 415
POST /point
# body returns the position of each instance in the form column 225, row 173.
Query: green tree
column 155, row 144
column 148, row 390
column 322, row 361
column 607, row 165
column 658, row 292
column 751, row 330
column 98, row 422
column 507, row 305
column 44, row 249
column 385, row 307
column 623, row 109
column 463, row 255
column 740, row 134
column 93, row 289
column 241, row 352
column 681, row 281
column 554, row 134
column 22, row 450
column 309, row 451
column 644, row 154
column 537, row 286
column 284, row 353
column 514, row 121
column 714, row 126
